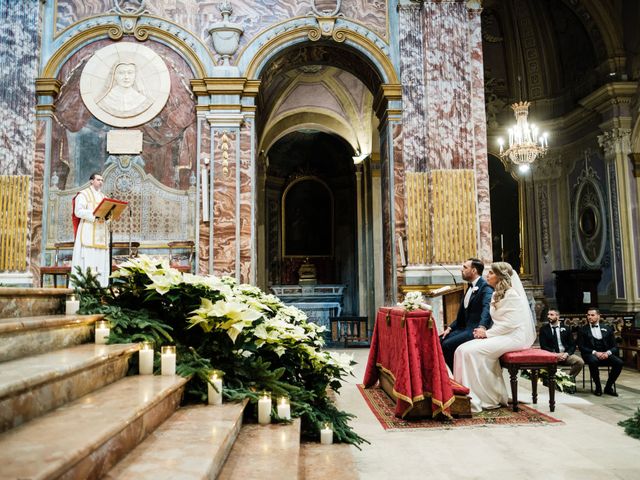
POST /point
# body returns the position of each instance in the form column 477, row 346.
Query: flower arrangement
column 256, row 341
column 414, row 301
column 564, row 381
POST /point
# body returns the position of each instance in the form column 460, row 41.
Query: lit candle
column 264, row 409
column 326, row 435
column 102, row 332
column 145, row 358
column 284, row 408
column 168, row 360
column 215, row 397
column 72, row 305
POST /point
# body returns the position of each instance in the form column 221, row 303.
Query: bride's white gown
column 477, row 362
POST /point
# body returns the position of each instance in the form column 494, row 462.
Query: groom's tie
column 555, row 335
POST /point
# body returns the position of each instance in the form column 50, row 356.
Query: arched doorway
column 315, row 119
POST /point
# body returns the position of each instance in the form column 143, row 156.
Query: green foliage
column 255, row 341
column 564, row 382
column 632, row 425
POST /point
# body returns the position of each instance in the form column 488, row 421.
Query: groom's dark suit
column 475, row 315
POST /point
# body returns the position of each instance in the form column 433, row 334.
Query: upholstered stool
column 532, row 359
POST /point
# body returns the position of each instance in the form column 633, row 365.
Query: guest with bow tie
column 598, row 348
column 555, row 337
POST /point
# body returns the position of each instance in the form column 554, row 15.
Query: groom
column 473, row 312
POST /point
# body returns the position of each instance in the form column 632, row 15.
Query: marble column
column 19, row 130
column 444, row 125
column 623, row 207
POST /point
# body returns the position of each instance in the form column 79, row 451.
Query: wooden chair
column 181, row 255
column 130, row 251
column 61, row 266
column 532, row 359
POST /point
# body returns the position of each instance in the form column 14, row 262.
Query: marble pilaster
column 623, row 207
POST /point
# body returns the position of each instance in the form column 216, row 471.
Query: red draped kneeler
column 532, row 359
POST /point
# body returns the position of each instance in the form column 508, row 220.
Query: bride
column 477, row 363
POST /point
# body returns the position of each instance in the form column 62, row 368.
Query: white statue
column 124, row 94
column 125, row 84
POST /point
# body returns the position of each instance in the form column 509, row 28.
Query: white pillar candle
column 145, row 358
column 168, row 360
column 102, row 332
column 284, row 408
column 72, row 305
column 326, row 435
column 215, row 398
column 264, row 409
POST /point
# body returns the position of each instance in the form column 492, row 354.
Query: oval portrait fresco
column 125, row 84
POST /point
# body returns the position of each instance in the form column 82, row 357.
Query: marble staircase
column 69, row 410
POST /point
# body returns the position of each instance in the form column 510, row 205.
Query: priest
column 91, row 247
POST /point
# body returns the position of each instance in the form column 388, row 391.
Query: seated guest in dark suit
column 598, row 347
column 473, row 312
column 555, row 337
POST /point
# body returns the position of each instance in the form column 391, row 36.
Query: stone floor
column 589, row 444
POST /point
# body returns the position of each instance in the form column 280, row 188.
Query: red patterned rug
column 383, row 408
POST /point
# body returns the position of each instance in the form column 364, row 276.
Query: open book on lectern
column 110, row 208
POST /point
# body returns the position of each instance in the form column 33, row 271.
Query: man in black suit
column 555, row 337
column 473, row 312
column 598, row 347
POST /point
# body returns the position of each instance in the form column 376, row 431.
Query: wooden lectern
column 451, row 297
column 110, row 208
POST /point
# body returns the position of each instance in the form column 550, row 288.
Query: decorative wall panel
column 455, row 233
column 14, row 203
column 156, row 214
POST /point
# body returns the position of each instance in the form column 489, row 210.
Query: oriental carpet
column 383, row 408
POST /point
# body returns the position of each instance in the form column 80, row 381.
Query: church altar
column 319, row 302
column 405, row 347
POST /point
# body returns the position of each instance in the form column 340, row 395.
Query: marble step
column 29, row 302
column 265, row 452
column 34, row 385
column 208, row 431
column 21, row 337
column 319, row 462
column 85, row 438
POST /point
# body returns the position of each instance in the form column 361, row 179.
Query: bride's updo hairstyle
column 503, row 271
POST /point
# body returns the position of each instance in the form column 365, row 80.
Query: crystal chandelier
column 524, row 143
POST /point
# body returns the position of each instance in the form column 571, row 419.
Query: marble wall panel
column 449, row 127
column 413, row 87
column 19, row 52
column 399, row 203
column 479, row 137
column 37, row 195
column 245, row 240
column 223, row 217
column 254, row 15
column 203, row 243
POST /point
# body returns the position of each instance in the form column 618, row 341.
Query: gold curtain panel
column 441, row 218
column 14, row 204
column 418, row 225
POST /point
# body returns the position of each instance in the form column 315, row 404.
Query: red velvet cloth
column 530, row 356
column 406, row 345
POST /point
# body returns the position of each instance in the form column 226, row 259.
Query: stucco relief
column 125, row 84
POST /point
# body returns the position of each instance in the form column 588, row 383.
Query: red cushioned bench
column 532, row 359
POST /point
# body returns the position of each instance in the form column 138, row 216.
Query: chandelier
column 524, row 143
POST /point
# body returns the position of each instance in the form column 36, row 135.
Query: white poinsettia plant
column 414, row 301
column 249, row 316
